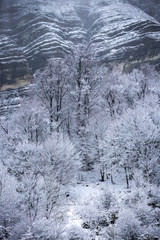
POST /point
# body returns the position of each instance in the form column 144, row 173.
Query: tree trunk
column 102, row 174
column 112, row 179
column 127, row 178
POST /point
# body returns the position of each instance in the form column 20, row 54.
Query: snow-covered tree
column 84, row 96
column 59, row 161
column 52, row 88
column 132, row 141
column 30, row 122
column 9, row 197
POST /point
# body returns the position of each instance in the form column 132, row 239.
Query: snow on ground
column 86, row 198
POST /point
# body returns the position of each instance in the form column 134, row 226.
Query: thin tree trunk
column 112, row 179
column 102, row 174
column 127, row 178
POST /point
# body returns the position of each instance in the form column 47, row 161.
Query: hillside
column 32, row 32
column 79, row 120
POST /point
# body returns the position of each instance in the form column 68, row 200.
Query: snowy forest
column 80, row 154
column 80, row 157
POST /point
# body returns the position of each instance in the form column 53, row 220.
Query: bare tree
column 52, row 88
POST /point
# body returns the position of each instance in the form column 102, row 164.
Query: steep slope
column 124, row 34
column 14, row 68
column 33, row 31
column 14, row 71
column 151, row 7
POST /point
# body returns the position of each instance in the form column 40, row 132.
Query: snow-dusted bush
column 9, row 198
column 109, row 199
column 128, row 227
column 77, row 233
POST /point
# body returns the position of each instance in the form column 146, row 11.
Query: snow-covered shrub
column 9, row 197
column 52, row 228
column 77, row 233
column 30, row 236
column 108, row 199
column 128, row 227
column 109, row 233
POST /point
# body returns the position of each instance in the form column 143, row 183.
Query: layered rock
column 33, row 31
column 124, row 34
column 14, row 71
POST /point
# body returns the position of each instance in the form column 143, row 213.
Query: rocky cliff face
column 123, row 33
column 33, row 31
column 151, row 7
